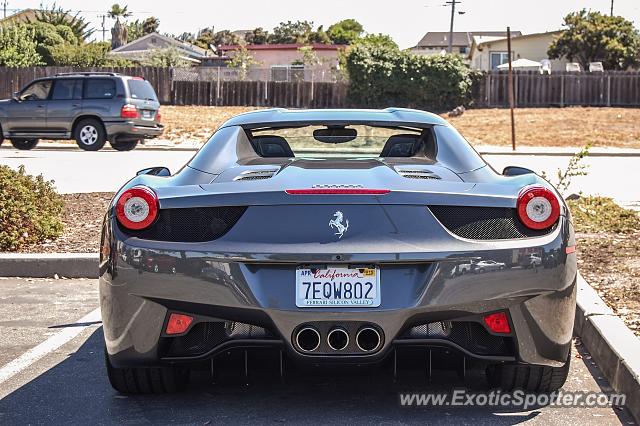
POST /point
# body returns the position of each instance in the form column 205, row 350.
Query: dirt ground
column 615, row 127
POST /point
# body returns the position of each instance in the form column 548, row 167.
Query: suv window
column 99, row 88
column 64, row 90
column 141, row 89
column 38, row 91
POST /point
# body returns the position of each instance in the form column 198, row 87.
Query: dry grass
column 574, row 127
column 614, row 127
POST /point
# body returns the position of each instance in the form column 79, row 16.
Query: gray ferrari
column 339, row 237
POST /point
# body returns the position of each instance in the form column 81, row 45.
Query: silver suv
column 91, row 108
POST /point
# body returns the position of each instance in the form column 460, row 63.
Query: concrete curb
column 46, row 265
column 613, row 346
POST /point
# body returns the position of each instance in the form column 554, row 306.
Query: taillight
column 538, row 207
column 498, row 322
column 158, row 115
column 129, row 111
column 137, row 208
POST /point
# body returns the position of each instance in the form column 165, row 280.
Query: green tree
column 378, row 40
column 47, row 36
column 594, row 37
column 308, row 57
column 291, row 33
column 119, row 32
column 207, row 38
column 57, row 16
column 137, row 28
column 169, row 57
column 319, row 36
column 93, row 54
column 257, row 36
column 381, row 75
column 345, row 32
column 242, row 59
column 18, row 47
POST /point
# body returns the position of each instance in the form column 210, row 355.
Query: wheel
column 24, row 144
column 156, row 268
column 124, row 146
column 90, row 135
column 173, row 269
column 532, row 378
column 147, row 380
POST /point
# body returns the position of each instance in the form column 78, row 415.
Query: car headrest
column 405, row 145
column 272, row 146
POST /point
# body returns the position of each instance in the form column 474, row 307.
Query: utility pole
column 4, row 7
column 104, row 28
column 611, row 7
column 511, row 100
column 453, row 12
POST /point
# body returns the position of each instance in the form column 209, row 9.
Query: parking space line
column 48, row 346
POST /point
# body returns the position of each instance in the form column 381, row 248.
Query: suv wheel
column 142, row 380
column 124, row 146
column 24, row 144
column 90, row 135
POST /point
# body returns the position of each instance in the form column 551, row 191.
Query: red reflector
column 178, row 323
column 498, row 322
column 158, row 116
column 337, row 191
column 570, row 249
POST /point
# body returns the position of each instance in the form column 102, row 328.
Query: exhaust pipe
column 308, row 339
column 338, row 339
column 368, row 339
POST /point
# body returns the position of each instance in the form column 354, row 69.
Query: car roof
column 290, row 117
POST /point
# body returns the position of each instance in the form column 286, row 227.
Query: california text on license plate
column 337, row 287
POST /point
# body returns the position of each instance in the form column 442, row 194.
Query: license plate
column 337, row 287
column 147, row 114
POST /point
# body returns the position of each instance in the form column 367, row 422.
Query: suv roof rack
column 86, row 73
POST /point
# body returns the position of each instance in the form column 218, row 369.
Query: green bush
column 30, row 209
column 381, row 75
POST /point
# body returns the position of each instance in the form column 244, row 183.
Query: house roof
column 315, row 46
column 480, row 42
column 25, row 16
column 158, row 41
column 460, row 38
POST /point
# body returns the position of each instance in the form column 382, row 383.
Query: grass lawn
column 575, row 127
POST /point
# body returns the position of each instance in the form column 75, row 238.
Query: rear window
column 367, row 141
column 141, row 89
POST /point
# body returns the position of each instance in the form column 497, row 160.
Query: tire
column 90, row 134
column 24, row 144
column 124, row 146
column 156, row 269
column 531, row 378
column 152, row 380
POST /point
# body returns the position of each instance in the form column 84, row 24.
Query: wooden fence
column 559, row 89
column 531, row 89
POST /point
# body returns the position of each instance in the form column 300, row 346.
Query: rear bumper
column 128, row 130
column 257, row 289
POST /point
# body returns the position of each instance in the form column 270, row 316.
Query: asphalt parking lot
column 52, row 372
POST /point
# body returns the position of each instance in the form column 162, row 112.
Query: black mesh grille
column 191, row 225
column 205, row 336
column 484, row 223
column 469, row 335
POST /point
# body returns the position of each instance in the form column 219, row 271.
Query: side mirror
column 155, row 171
column 16, row 96
column 516, row 171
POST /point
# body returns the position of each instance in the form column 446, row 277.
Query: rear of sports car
column 337, row 259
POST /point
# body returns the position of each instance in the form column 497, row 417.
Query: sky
column 405, row 20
